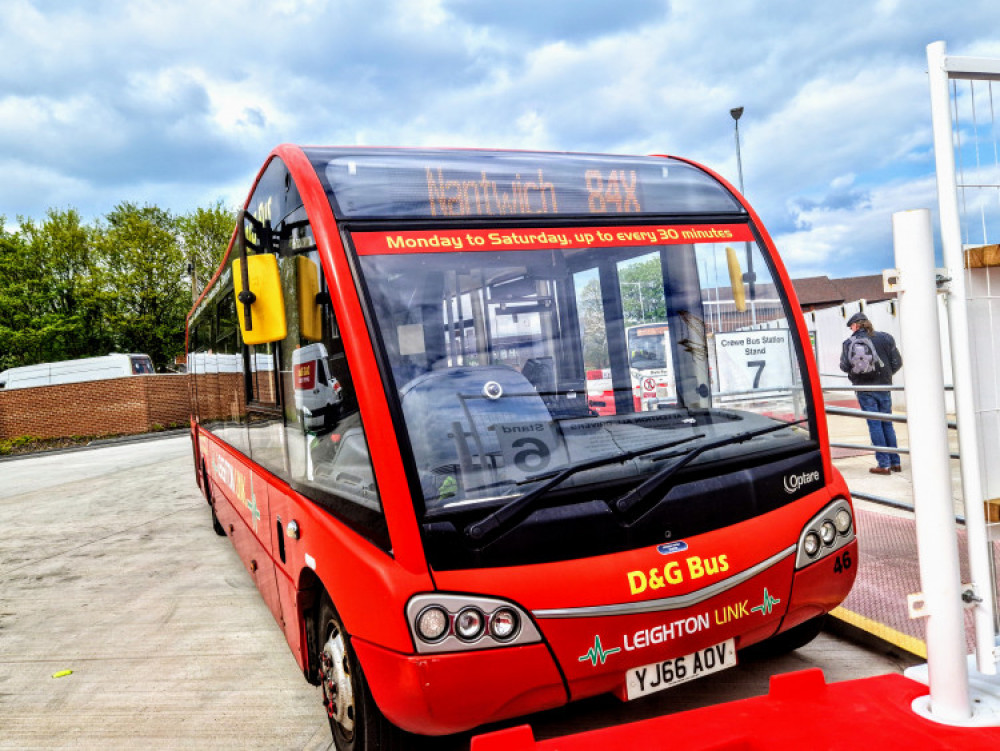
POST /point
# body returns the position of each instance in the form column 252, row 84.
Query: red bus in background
column 407, row 459
column 652, row 381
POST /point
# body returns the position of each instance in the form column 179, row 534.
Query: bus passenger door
column 262, row 568
column 289, row 557
column 245, row 517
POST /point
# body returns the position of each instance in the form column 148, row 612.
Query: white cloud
column 21, row 179
column 849, row 240
column 178, row 102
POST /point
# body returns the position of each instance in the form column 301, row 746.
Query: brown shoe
column 880, row 470
column 896, row 468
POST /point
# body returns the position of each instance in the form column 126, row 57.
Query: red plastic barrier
column 801, row 711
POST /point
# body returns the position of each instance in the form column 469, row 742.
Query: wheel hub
column 335, row 671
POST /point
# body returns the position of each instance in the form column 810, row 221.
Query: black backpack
column 862, row 357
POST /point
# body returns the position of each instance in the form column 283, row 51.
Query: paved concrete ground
column 109, row 568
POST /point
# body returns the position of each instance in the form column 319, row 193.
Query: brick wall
column 220, row 396
column 112, row 407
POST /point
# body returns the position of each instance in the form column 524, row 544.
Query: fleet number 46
column 843, row 562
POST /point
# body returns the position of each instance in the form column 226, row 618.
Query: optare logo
column 794, row 482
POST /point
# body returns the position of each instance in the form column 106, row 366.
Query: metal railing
column 884, row 417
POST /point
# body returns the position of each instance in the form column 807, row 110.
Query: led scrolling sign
column 613, row 192
column 448, row 184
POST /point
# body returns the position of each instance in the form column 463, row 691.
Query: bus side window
column 197, row 367
column 327, row 446
column 263, row 391
column 216, row 363
column 229, row 353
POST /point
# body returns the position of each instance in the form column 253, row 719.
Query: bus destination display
column 611, row 193
column 446, row 185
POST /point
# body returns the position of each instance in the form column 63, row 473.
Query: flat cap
column 856, row 318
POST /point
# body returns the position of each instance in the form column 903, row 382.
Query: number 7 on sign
column 759, row 364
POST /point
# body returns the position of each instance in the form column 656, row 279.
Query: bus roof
column 384, row 183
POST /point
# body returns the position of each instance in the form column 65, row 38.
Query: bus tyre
column 355, row 720
column 217, row 525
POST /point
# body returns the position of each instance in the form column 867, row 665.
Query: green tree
column 70, row 289
column 142, row 267
column 594, row 333
column 204, row 237
column 642, row 292
column 50, row 306
column 74, row 324
column 16, row 285
column 641, row 285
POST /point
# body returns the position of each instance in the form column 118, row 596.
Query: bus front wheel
column 355, row 720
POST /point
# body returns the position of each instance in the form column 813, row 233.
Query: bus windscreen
column 495, row 349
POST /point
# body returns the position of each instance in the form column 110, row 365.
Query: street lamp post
column 737, row 113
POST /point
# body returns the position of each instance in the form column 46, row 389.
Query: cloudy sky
column 178, row 102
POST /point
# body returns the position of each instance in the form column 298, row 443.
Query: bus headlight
column 843, row 521
column 830, row 530
column 811, row 544
column 432, row 624
column 503, row 624
column 469, row 624
column 456, row 623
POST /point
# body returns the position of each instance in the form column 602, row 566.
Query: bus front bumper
column 450, row 693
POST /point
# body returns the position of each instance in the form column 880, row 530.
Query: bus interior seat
column 541, row 373
column 456, row 404
column 564, row 399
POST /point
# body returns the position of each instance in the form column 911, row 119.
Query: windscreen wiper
column 637, row 495
column 511, row 514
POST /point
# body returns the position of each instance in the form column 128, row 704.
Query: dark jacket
column 888, row 353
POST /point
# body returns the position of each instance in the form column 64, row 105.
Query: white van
column 115, row 365
column 317, row 392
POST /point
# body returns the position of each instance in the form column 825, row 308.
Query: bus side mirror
column 310, row 313
column 736, row 280
column 260, row 289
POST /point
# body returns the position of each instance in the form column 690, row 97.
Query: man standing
column 871, row 358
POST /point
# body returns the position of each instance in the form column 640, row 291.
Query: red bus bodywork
column 596, row 615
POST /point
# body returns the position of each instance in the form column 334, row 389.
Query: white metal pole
column 937, row 536
column 979, row 546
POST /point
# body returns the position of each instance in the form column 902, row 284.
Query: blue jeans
column 882, row 433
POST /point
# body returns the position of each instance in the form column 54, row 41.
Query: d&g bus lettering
column 695, row 567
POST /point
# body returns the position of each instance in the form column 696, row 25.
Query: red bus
column 458, row 536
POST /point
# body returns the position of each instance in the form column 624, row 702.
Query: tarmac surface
column 109, row 568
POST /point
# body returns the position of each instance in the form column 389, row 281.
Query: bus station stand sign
column 800, row 711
